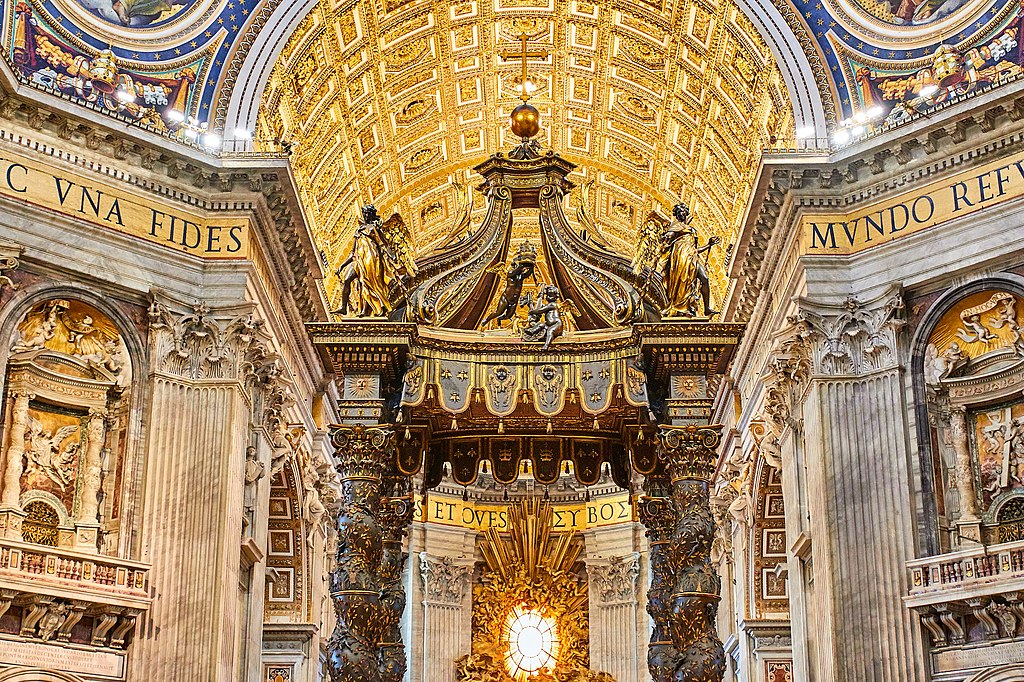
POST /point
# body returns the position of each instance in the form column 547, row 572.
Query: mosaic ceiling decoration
column 170, row 64
column 396, row 108
column 899, row 57
column 154, row 62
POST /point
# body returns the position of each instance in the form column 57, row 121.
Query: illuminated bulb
column 243, row 134
column 841, row 137
column 191, row 134
column 125, row 96
column 175, row 115
column 804, row 132
column 860, row 117
column 857, row 130
column 929, row 90
column 875, row 112
column 211, row 140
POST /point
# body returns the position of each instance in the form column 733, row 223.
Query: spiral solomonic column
column 689, row 456
column 362, row 454
column 658, row 515
column 395, row 517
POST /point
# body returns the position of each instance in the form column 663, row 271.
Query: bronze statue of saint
column 682, row 268
column 363, row 270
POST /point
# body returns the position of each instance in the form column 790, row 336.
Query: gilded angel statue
column 683, row 270
column 380, row 250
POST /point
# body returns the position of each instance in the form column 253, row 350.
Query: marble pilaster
column 447, row 611
column 613, row 612
column 860, row 532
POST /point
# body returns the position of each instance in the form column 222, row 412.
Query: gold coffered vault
column 395, row 104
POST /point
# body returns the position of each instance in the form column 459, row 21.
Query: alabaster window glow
column 532, row 642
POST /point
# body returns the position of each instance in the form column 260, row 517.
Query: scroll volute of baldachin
column 452, row 287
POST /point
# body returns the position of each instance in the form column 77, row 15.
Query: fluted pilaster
column 862, row 522
column 446, row 615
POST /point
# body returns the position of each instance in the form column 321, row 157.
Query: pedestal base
column 10, row 523
column 87, row 536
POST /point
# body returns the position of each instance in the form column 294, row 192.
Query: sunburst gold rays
column 531, row 544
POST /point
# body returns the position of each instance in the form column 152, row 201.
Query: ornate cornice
column 968, row 134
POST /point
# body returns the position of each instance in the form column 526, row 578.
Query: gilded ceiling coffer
column 685, row 589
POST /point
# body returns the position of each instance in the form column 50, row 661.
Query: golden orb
column 525, row 121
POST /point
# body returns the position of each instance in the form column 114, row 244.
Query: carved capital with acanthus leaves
column 196, row 342
column 616, row 580
column 362, row 451
column 444, row 580
column 855, row 337
column 688, row 452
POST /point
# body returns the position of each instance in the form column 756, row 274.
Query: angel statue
column 379, row 249
column 523, row 265
column 544, row 320
column 682, row 268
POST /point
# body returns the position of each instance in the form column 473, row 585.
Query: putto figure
column 523, row 266
column 544, row 320
column 682, row 268
column 378, row 248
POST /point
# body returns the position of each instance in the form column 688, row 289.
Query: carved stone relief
column 854, row 338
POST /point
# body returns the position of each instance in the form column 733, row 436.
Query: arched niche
column 37, row 675
column 1002, row 673
column 968, row 373
column 68, row 381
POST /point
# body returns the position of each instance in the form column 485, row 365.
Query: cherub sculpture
column 683, row 269
column 544, row 320
column 379, row 249
column 523, row 266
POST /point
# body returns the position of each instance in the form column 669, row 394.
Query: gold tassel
column 597, row 424
column 550, row 428
column 455, row 424
column 408, row 434
column 501, row 426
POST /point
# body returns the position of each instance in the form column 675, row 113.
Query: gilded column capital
column 855, row 337
column 362, row 451
column 688, row 452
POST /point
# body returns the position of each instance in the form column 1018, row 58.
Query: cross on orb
column 524, row 54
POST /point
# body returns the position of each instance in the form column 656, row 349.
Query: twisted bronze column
column 685, row 590
column 362, row 455
column 395, row 517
